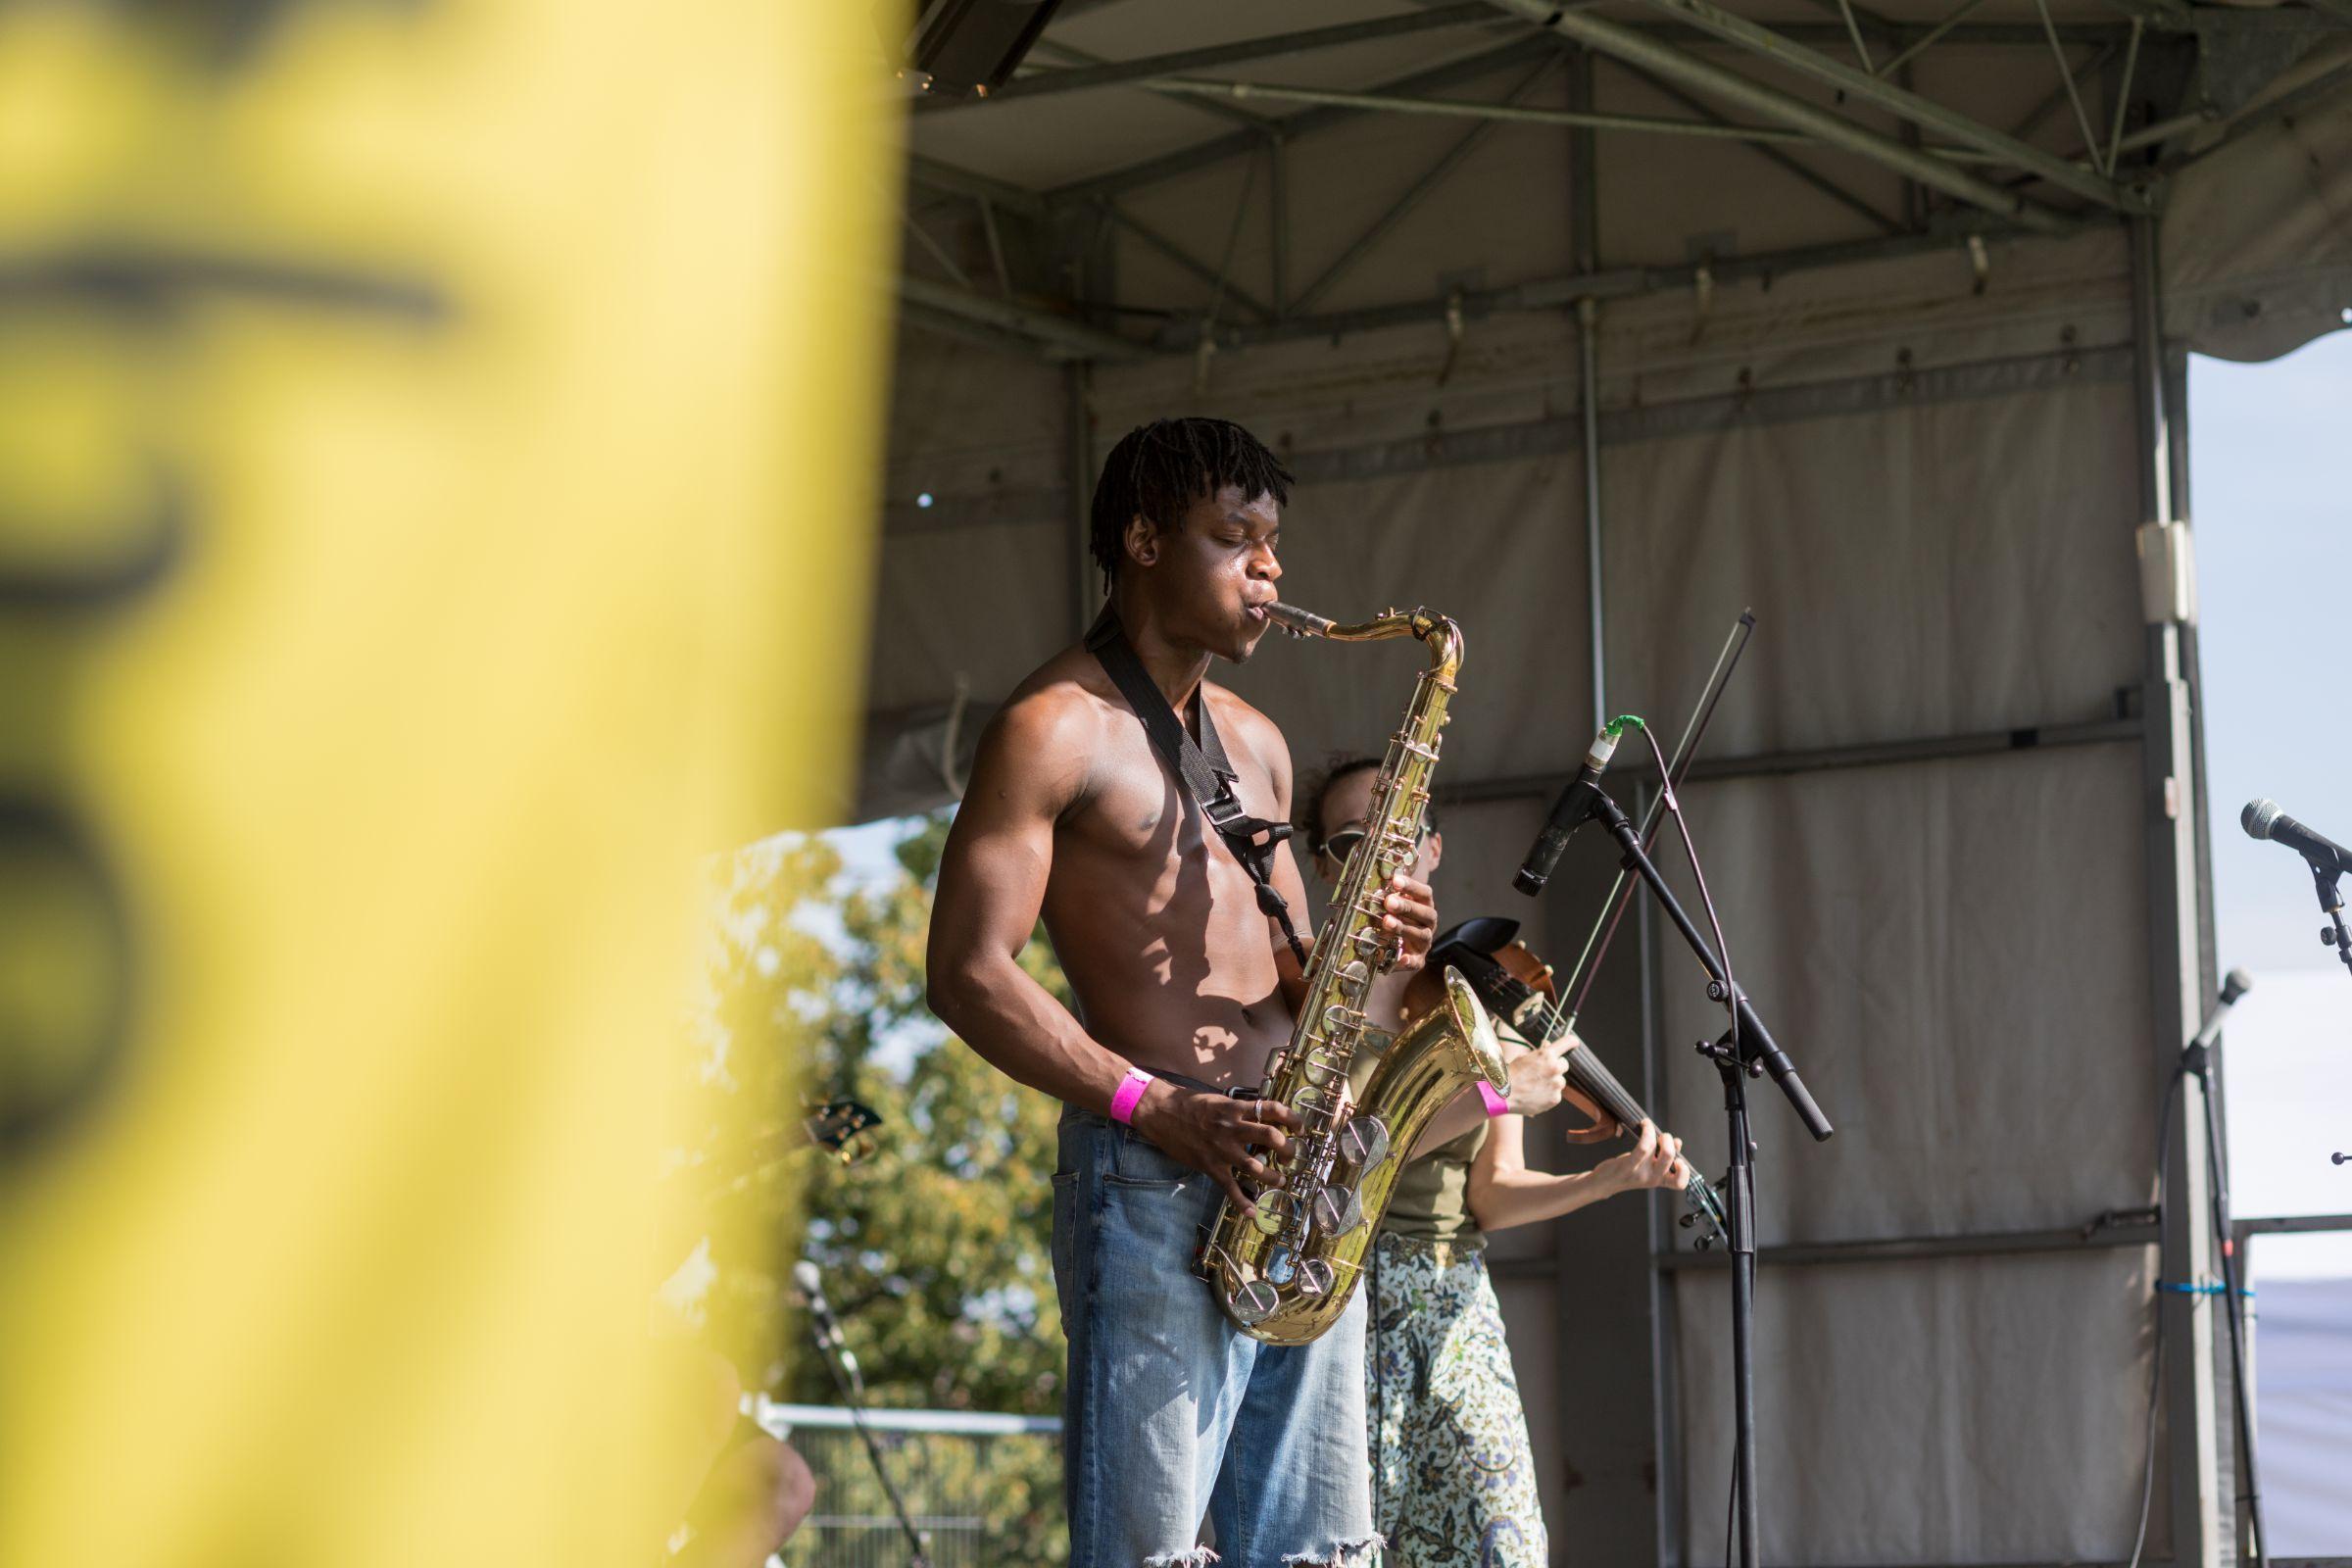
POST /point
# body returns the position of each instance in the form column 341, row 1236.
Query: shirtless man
column 1169, row 1412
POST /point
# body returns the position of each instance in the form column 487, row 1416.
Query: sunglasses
column 1336, row 849
column 1341, row 845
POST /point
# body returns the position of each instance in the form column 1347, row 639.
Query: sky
column 2271, row 502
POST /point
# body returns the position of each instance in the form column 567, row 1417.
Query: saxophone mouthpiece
column 1298, row 622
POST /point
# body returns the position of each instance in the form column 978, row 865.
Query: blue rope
column 2209, row 1288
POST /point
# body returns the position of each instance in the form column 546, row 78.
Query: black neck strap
column 1203, row 768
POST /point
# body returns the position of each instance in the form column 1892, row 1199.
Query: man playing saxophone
column 1186, row 986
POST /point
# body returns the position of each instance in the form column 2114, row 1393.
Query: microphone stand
column 851, row 1388
column 2197, row 1062
column 2331, row 905
column 1744, row 1051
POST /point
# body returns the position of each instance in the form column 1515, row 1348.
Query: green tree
column 936, row 1249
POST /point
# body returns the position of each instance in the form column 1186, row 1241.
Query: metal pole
column 1067, row 333
column 1562, row 293
column 1134, row 73
column 2171, row 808
column 1584, row 164
column 1588, row 331
column 1468, row 109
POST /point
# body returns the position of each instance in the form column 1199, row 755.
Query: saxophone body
column 1362, row 1098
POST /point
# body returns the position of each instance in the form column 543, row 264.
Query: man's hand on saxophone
column 1220, row 1135
column 1411, row 920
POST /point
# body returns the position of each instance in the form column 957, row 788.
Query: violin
column 1518, row 988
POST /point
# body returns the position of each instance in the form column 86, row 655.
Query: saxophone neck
column 1439, row 631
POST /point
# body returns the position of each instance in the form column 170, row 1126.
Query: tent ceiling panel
column 2258, row 241
column 1665, row 200
column 1031, row 139
column 1045, row 142
column 1338, row 186
column 1668, row 200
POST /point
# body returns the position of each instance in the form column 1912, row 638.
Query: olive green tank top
column 1431, row 1202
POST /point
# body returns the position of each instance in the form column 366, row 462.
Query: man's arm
column 1032, row 767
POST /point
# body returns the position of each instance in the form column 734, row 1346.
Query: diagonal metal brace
column 1864, row 87
column 1703, row 76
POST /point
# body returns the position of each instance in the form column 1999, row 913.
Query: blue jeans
column 1169, row 1412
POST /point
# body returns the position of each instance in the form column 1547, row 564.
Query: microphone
column 2263, row 820
column 1568, row 813
column 2235, row 985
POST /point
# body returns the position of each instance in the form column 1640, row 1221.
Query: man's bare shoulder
column 1246, row 728
column 1052, row 725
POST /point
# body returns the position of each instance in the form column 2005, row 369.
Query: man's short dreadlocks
column 1161, row 469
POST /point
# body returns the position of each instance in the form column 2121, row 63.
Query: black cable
column 1682, row 827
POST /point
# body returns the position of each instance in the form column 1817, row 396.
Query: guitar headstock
column 843, row 1129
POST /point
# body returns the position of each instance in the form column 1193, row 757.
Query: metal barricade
column 984, row 1490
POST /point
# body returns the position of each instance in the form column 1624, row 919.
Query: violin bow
column 1621, row 891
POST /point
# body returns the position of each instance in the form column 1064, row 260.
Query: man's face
column 1212, row 573
column 1344, row 805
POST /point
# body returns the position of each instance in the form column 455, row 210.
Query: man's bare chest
column 1138, row 807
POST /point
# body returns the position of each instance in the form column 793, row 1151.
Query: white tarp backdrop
column 1924, row 476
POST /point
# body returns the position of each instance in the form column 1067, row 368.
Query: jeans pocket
column 1135, row 1163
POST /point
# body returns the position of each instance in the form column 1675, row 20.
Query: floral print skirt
column 1453, row 1482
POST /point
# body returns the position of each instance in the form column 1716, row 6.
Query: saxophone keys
column 1364, row 1142
column 1274, row 1208
column 1338, row 1211
column 1254, row 1303
column 1314, row 1277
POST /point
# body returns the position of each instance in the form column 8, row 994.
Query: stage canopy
column 1593, row 326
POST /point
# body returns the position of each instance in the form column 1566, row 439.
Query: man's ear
column 1436, row 847
column 1140, row 541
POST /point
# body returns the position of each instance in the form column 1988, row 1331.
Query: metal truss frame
column 1717, row 67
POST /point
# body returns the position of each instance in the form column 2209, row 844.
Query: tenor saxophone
column 1285, row 1274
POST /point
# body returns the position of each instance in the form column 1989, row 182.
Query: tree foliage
column 936, row 1249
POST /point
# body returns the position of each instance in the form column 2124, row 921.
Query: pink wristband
column 1496, row 1104
column 1123, row 1104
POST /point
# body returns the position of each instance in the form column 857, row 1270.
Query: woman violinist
column 1453, row 1482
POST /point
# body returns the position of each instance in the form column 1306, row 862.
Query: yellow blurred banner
column 438, row 450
